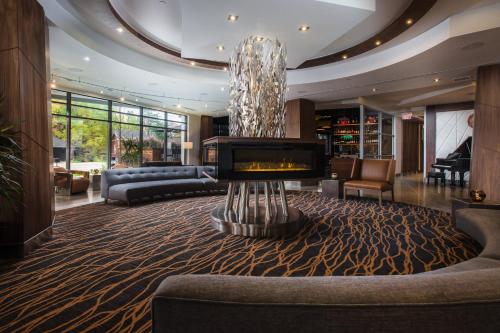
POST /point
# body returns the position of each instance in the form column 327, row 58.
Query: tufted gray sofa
column 150, row 182
column 459, row 298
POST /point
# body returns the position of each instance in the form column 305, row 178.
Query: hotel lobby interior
column 250, row 166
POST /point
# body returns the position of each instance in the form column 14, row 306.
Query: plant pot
column 95, row 182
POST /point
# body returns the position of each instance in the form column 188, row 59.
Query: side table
column 468, row 203
column 333, row 188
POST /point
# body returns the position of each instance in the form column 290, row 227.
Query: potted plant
column 11, row 169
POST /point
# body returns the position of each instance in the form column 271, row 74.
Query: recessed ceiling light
column 52, row 85
column 86, row 58
column 304, row 28
column 53, row 80
column 137, row 100
column 222, row 88
column 119, row 30
column 225, row 69
column 259, row 38
column 101, row 92
column 436, row 79
column 409, row 21
column 344, row 56
column 220, row 48
column 378, row 42
column 374, row 89
column 122, row 99
column 178, row 106
column 192, row 63
column 232, row 18
column 206, row 106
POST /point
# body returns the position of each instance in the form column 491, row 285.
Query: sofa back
column 133, row 175
column 377, row 170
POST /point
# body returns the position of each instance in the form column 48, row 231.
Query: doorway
column 413, row 146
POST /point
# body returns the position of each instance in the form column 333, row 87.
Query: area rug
column 99, row 271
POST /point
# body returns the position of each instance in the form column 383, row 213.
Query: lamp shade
column 187, row 145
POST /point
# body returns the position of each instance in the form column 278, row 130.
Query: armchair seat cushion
column 369, row 185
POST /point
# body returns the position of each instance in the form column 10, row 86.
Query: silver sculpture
column 257, row 109
column 258, row 88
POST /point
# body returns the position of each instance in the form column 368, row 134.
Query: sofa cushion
column 368, row 184
column 139, row 190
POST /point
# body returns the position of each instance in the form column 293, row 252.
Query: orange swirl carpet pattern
column 99, row 271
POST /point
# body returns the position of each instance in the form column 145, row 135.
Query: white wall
column 451, row 130
column 194, row 123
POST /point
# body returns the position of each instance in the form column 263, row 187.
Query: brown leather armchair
column 66, row 180
column 377, row 175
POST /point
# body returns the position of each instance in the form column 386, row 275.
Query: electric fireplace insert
column 246, row 158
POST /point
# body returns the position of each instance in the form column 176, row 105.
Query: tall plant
column 11, row 167
column 132, row 153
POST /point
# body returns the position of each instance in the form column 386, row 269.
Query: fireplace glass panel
column 272, row 160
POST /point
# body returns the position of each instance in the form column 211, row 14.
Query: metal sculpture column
column 257, row 109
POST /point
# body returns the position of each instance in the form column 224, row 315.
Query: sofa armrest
column 215, row 303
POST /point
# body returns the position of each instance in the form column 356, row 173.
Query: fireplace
column 259, row 159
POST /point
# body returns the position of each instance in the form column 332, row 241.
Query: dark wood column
column 300, row 119
column 24, row 103
column 206, row 131
column 485, row 165
column 430, row 138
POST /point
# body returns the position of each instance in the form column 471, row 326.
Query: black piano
column 458, row 161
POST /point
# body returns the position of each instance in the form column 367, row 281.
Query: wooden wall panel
column 411, row 146
column 24, row 103
column 300, row 119
column 430, row 138
column 485, row 167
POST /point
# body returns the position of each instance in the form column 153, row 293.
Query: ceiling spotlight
column 344, row 56
column 378, row 42
column 436, row 79
column 409, row 21
column 220, row 48
column 119, row 30
column 304, row 28
column 222, row 88
column 192, row 63
column 374, row 89
column 53, row 85
column 225, row 69
column 259, row 38
column 86, row 58
column 122, row 99
column 101, row 92
column 137, row 100
column 178, row 106
column 232, row 18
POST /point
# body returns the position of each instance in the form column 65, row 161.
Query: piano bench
column 436, row 175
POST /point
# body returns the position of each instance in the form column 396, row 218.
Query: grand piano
column 458, row 161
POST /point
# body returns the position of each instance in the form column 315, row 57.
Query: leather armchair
column 377, row 175
column 66, row 180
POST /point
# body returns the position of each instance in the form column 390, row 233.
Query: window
column 110, row 134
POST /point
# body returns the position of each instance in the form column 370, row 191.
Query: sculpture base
column 280, row 225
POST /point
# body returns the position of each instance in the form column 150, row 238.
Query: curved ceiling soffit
column 414, row 12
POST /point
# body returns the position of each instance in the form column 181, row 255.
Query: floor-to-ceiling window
column 94, row 133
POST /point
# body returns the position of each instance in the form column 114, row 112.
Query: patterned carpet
column 101, row 268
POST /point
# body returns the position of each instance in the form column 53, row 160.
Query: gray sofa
column 151, row 182
column 459, row 298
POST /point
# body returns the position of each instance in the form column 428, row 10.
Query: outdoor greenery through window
column 93, row 133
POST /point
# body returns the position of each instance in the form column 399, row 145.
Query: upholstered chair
column 375, row 175
column 71, row 181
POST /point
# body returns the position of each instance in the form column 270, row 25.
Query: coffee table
column 468, row 203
